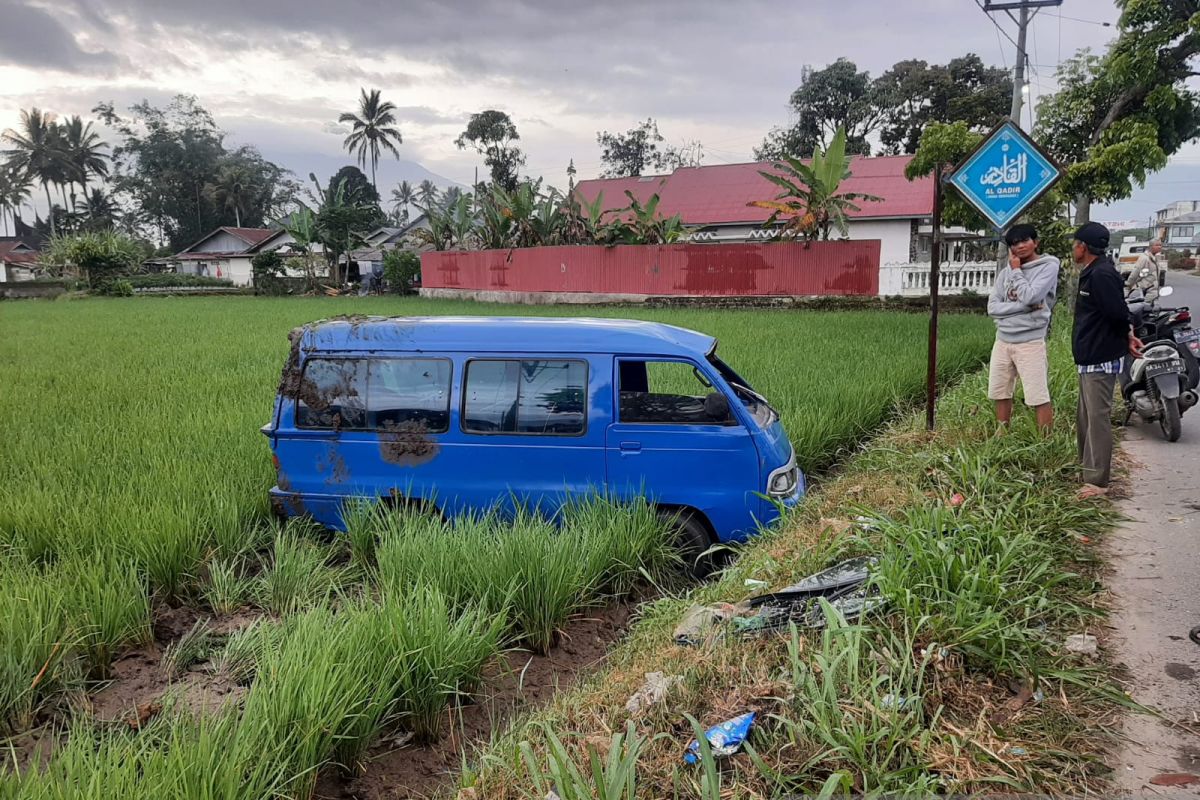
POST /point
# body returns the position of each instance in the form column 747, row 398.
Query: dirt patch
column 519, row 681
column 407, row 444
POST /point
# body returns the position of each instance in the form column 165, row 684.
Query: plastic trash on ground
column 652, row 692
column 724, row 739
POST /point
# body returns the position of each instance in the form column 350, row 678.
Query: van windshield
column 762, row 411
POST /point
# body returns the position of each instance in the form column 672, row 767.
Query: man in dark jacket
column 1103, row 336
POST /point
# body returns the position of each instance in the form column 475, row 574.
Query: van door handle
column 631, row 447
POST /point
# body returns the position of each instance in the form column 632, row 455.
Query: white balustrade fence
column 912, row 280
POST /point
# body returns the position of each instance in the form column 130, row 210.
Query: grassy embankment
column 920, row 697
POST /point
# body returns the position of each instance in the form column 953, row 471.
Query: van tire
column 692, row 539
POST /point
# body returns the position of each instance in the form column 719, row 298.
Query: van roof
column 504, row 335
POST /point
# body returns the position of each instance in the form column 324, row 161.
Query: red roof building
column 714, row 202
column 17, row 259
column 225, row 253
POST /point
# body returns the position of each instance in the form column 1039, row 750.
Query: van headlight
column 783, row 481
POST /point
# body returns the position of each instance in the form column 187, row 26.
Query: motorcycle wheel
column 1170, row 422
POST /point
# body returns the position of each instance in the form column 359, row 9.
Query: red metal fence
column 770, row 268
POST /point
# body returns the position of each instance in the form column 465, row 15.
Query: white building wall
column 894, row 236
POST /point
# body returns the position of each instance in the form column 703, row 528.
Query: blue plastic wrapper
column 724, row 739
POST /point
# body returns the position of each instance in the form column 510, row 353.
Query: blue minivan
column 467, row 414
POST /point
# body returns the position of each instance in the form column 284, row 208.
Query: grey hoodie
column 1016, row 295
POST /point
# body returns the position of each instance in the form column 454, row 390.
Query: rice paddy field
column 134, row 519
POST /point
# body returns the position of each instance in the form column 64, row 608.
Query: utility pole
column 1026, row 11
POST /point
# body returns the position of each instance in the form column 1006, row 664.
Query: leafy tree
column 267, row 267
column 37, row 150
column 836, row 97
column 913, row 94
column 631, row 153
column 812, row 202
column 401, row 268
column 345, row 217
column 374, row 130
column 1118, row 117
column 358, row 189
column 167, row 159
column 301, row 226
column 102, row 256
column 97, row 210
column 491, row 133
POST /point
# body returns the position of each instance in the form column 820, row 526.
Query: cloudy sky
column 276, row 73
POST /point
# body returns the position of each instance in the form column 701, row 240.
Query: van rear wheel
column 692, row 540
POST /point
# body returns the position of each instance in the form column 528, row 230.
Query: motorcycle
column 1161, row 385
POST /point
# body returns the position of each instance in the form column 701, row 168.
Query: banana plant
column 812, row 203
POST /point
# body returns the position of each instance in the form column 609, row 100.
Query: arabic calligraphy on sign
column 1009, row 172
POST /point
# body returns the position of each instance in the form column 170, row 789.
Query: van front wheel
column 691, row 539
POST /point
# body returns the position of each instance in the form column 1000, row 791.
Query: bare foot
column 1089, row 491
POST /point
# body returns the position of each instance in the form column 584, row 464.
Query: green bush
column 401, row 268
column 119, row 287
column 170, row 279
column 102, row 256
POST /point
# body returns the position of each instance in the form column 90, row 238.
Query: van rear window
column 529, row 397
column 377, row 393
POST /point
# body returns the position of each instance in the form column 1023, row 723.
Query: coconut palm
column 402, row 197
column 374, row 130
column 85, row 156
column 428, row 194
column 234, row 189
column 15, row 185
column 97, row 209
column 37, row 150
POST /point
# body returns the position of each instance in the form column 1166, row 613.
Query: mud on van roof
column 504, row 335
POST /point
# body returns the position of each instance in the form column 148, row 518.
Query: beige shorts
column 1027, row 361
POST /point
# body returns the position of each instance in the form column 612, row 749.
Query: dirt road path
column 1157, row 589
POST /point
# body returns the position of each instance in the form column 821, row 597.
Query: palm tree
column 98, row 209
column 428, row 193
column 37, row 150
column 233, row 190
column 14, row 190
column 374, row 130
column 84, row 152
column 402, row 197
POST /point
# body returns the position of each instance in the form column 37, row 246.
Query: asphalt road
column 1187, row 291
column 1156, row 588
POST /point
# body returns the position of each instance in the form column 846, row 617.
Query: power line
column 1077, row 19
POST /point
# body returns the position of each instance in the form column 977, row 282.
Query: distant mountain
column 390, row 171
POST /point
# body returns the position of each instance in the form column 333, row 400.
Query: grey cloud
column 31, row 37
column 337, row 69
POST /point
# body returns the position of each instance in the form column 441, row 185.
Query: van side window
column 332, row 394
column 532, row 397
column 665, row 392
column 409, row 392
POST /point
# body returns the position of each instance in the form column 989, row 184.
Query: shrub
column 172, row 279
column 120, row 287
column 401, row 269
column 103, row 256
column 268, row 267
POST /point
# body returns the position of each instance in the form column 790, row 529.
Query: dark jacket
column 1101, row 316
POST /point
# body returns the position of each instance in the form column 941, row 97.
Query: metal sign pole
column 935, row 264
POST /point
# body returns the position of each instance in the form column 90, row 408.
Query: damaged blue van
column 465, row 414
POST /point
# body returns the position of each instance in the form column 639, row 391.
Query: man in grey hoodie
column 1021, row 303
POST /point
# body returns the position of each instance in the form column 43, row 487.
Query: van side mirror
column 716, row 407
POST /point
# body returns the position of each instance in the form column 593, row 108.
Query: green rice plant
column 225, row 589
column 194, row 647
column 36, row 646
column 105, row 600
column 244, row 649
column 448, row 649
column 362, row 518
column 627, row 542
column 298, row 576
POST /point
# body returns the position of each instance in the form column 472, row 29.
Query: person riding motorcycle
column 1144, row 276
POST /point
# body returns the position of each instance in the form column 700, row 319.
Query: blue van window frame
column 364, row 362
column 462, row 411
column 733, row 421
